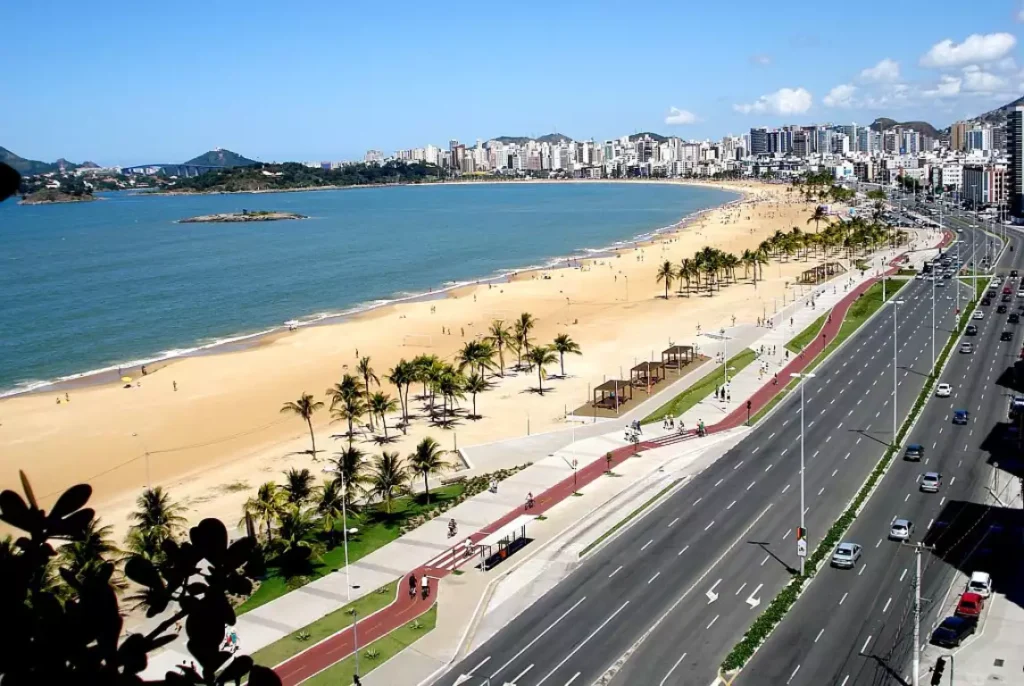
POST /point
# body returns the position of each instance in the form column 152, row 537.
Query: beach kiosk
column 677, row 356
column 500, row 545
column 612, row 394
column 646, row 374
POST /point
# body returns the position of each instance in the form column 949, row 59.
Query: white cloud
column 976, row 48
column 761, row 60
column 979, row 81
column 1020, row 15
column 885, row 71
column 677, row 117
column 782, row 101
column 947, row 87
column 840, row 96
column 1006, row 64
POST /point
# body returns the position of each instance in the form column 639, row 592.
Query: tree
column 264, row 506
column 349, row 467
column 305, row 406
column 350, row 410
column 475, row 383
column 427, row 460
column 666, row 273
column 451, row 385
column 402, row 375
column 364, row 369
column 156, row 519
column 388, row 477
column 380, row 404
column 298, row 486
column 500, row 337
column 541, row 356
column 85, row 558
column 523, row 326
column 564, row 344
column 476, row 355
column 296, row 536
column 76, row 638
column 820, row 215
column 330, row 504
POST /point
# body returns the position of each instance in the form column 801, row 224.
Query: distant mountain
column 521, row 140
column 998, row 115
column 30, row 167
column 221, row 158
column 656, row 136
column 923, row 127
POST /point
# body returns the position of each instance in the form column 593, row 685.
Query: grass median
column 800, row 341
column 781, row 603
column 702, row 389
column 328, row 625
column 858, row 313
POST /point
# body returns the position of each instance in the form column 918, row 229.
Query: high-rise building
column 1015, row 153
column 759, row 141
column 958, row 136
column 801, row 143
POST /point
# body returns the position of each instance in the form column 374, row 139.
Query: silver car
column 900, row 529
column 931, row 482
column 846, row 555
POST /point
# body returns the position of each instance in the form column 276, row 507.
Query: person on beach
column 175, row 384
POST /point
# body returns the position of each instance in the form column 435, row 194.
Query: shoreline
column 241, row 341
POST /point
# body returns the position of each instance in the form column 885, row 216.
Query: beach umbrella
column 126, row 379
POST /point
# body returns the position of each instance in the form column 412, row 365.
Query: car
column 1020, row 294
column 943, row 390
column 953, row 630
column 1005, row 299
column 971, row 330
column 970, row 605
column 1014, row 318
column 986, row 302
column 961, row 416
column 1007, row 290
column 966, row 348
column 1001, row 309
column 846, row 555
column 1006, row 336
column 930, row 482
column 914, row 452
column 978, row 314
column 918, row 277
column 947, row 275
column 940, row 284
column 991, row 293
column 1013, row 274
column 980, row 583
column 900, row 529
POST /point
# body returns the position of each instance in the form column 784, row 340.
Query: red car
column 1007, row 290
column 970, row 605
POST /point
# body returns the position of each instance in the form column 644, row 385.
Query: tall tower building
column 958, row 136
column 1015, row 151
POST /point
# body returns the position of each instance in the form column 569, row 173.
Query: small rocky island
column 243, row 216
column 49, row 196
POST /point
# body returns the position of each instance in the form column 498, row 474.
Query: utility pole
column 895, row 353
column 801, row 538
column 918, row 547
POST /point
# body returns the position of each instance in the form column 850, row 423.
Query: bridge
column 186, row 170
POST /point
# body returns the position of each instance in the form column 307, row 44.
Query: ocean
column 95, row 286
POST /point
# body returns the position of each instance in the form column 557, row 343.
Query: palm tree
column 475, row 354
column 402, row 376
column 380, row 404
column 541, row 356
column 348, row 465
column 500, row 337
column 426, row 460
column 450, row 384
column 330, row 504
column 349, row 386
column 523, row 326
column 296, row 534
column 366, row 371
column 157, row 519
column 264, row 506
column 388, row 478
column 564, row 344
column 298, row 487
column 350, row 410
column 687, row 272
column 305, row 406
column 820, row 215
column 666, row 273
column 86, row 557
column 475, row 383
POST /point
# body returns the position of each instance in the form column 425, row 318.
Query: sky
column 132, row 83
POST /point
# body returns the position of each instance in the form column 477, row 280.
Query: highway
column 855, row 627
column 691, row 575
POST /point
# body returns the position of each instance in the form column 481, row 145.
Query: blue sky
column 124, row 83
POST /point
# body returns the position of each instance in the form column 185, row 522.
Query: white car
column 900, row 529
column 980, row 583
column 966, row 348
column 943, row 390
column 978, row 314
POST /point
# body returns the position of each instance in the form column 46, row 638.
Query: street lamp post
column 895, row 369
column 803, row 529
column 348, row 578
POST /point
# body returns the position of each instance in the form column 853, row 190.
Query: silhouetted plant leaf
column 143, row 572
column 15, row 512
column 238, row 668
column 132, row 653
column 210, row 537
column 72, row 526
column 263, row 676
column 70, row 500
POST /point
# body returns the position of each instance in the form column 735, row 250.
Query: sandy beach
column 209, row 429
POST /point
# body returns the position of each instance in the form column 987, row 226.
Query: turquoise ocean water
column 94, row 286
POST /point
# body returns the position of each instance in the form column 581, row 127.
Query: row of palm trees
column 351, row 399
column 820, row 187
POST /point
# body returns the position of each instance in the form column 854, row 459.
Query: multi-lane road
column 856, row 626
column 678, row 588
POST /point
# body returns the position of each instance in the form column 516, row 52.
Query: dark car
column 914, row 452
column 972, row 330
column 1001, row 309
column 1005, row 299
column 953, row 631
column 947, row 275
column 986, row 302
column 1013, row 274
column 960, row 416
column 1006, row 336
column 1013, row 318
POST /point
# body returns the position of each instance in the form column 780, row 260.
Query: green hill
column 30, row 167
column 922, row 127
column 221, row 158
column 522, row 140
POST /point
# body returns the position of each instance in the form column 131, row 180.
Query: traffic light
column 356, row 681
column 940, row 667
column 801, row 533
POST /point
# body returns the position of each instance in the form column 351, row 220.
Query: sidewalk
column 551, row 479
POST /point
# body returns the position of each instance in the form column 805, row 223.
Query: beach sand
column 218, row 436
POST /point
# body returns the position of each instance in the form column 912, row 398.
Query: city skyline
column 330, row 84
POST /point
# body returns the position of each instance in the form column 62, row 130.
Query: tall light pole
column 895, row 369
column 802, row 549
column 348, row 578
column 918, row 547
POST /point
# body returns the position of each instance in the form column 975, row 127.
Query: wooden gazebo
column 821, row 272
column 612, row 394
column 646, row 374
column 677, row 356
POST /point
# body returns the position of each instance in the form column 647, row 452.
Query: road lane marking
column 669, row 673
column 844, row 596
column 784, row 451
column 683, row 551
column 717, row 484
column 865, row 647
column 657, row 574
column 619, row 569
column 646, row 544
column 583, row 643
column 522, row 674
column 574, row 678
column 751, row 485
column 819, row 635
column 879, row 543
column 482, row 663
column 767, row 468
column 539, row 636
column 765, row 560
column 751, row 452
column 731, row 504
column 846, row 456
column 886, row 608
column 738, row 465
column 786, row 488
column 815, row 454
column 673, row 521
column 740, row 589
column 709, row 525
column 697, row 501
column 903, row 575
column 711, row 623
column 786, row 535
column 793, row 674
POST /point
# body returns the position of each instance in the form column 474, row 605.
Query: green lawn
column 289, row 646
column 376, row 529
column 378, row 652
column 858, row 313
column 800, row 341
column 702, row 389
